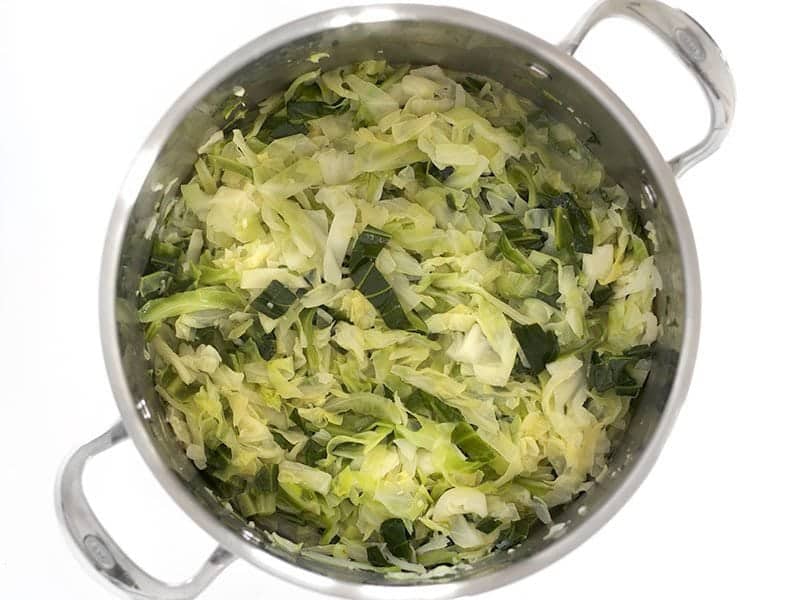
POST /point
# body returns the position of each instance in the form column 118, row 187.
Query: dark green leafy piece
column 376, row 557
column 266, row 343
column 539, row 346
column 487, row 525
column 184, row 281
column 471, row 444
column 314, row 452
column 472, row 85
column 583, row 235
column 517, row 533
column 573, row 228
column 370, row 282
column 275, row 300
column 369, row 244
column 628, row 387
column 427, row 405
column 551, row 299
column 219, row 458
column 281, row 441
column 286, row 129
column 601, row 294
column 394, row 533
column 295, row 418
column 276, row 127
column 440, row 174
column 233, row 110
column 225, row 490
column 304, row 110
column 211, row 336
column 532, row 239
column 608, row 371
column 518, row 234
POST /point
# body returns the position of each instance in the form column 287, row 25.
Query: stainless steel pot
column 406, row 34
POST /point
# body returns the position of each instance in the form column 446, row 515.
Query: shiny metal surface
column 696, row 49
column 416, row 34
column 99, row 550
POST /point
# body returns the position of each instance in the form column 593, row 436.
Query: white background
column 81, row 84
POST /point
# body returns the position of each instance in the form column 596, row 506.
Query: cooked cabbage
column 397, row 315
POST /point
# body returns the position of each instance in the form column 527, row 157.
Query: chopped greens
column 274, row 301
column 474, row 448
column 368, row 245
column 430, row 407
column 396, row 315
column 608, row 372
column 601, row 294
column 394, row 533
column 518, row 234
column 539, row 346
column 573, row 228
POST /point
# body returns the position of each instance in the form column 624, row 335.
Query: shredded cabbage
column 397, row 315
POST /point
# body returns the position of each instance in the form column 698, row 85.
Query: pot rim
column 663, row 178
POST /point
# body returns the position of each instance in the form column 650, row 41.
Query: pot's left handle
column 100, row 550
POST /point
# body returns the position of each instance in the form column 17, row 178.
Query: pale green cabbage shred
column 364, row 422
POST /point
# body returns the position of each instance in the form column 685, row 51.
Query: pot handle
column 693, row 45
column 99, row 549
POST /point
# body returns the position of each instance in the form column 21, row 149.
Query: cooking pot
column 546, row 73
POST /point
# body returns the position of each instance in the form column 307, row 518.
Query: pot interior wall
column 419, row 42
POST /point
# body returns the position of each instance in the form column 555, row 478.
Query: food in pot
column 396, row 315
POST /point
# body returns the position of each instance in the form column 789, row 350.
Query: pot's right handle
column 693, row 45
column 100, row 550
